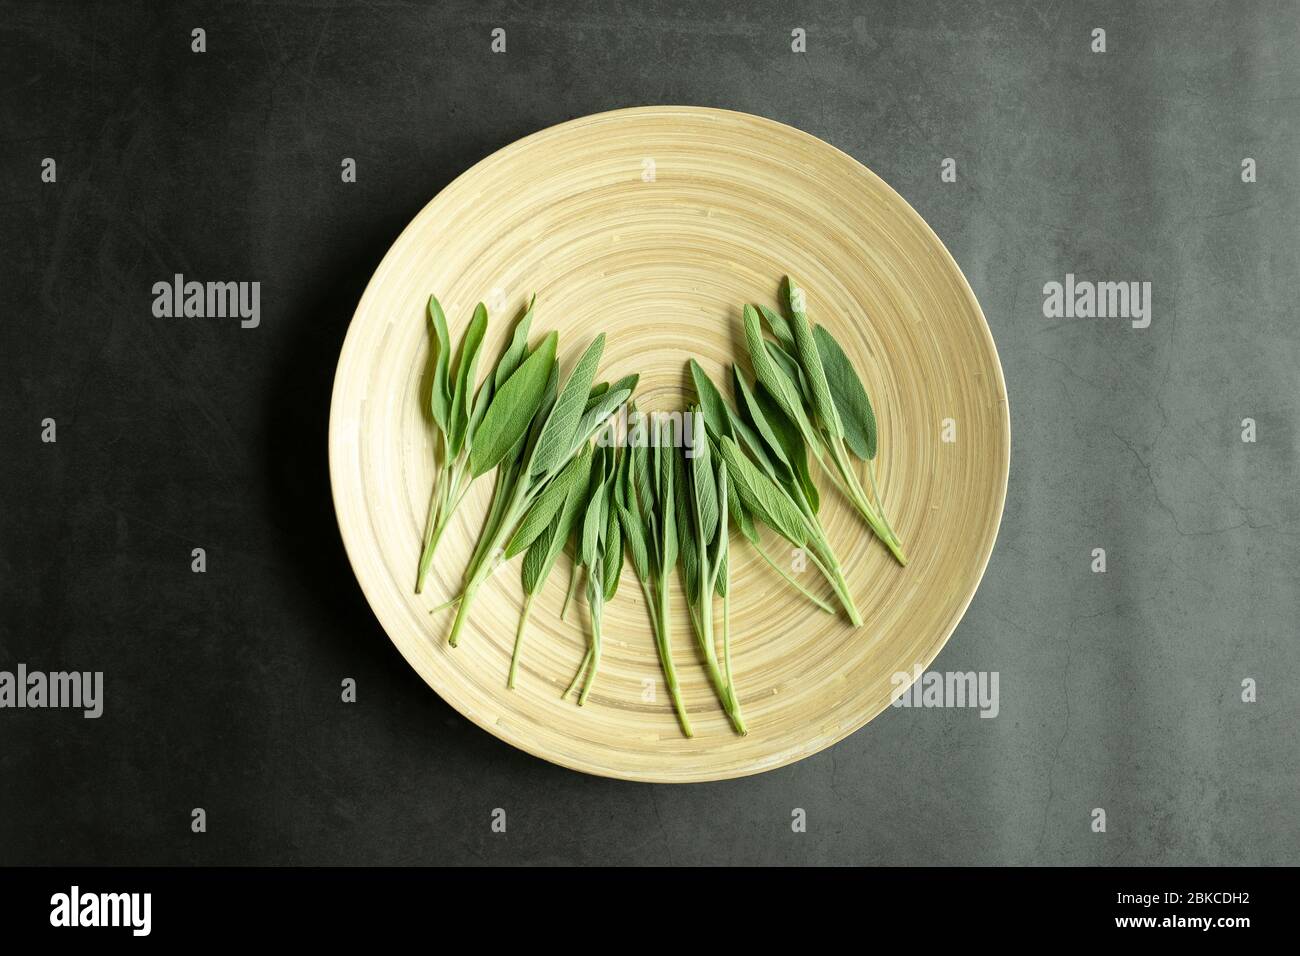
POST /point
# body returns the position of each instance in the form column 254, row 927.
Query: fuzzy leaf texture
column 550, row 501
column 704, row 482
column 811, row 363
column 769, row 373
column 712, row 404
column 850, row 396
column 779, row 327
column 763, row 497
column 462, row 395
column 517, row 351
column 440, row 392
column 513, row 409
column 555, row 442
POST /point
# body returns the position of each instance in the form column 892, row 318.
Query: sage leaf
column 546, row 547
column 850, row 396
column 706, row 492
column 549, row 502
column 612, row 558
column 810, row 360
column 440, row 392
column 513, row 408
column 779, row 327
column 556, row 439
column 792, row 446
column 517, row 350
column 594, row 417
column 712, row 404
column 763, row 497
column 462, row 395
column 688, row 552
column 769, row 445
column 593, row 526
column 783, row 389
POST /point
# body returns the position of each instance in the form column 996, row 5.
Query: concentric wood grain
column 662, row 266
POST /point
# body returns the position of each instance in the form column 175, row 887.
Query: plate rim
column 335, row 442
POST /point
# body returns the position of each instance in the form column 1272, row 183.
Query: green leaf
column 556, row 440
column 768, row 446
column 513, row 408
column 537, row 566
column 462, row 394
column 712, row 403
column 850, row 396
column 516, row 351
column 550, row 501
column 687, row 546
column 595, row 394
column 666, row 497
column 533, row 573
column 790, row 365
column 634, row 535
column 628, row 382
column 721, row 574
column 783, row 389
column 779, row 327
column 481, row 403
column 612, row 558
column 763, row 497
column 593, row 418
column 792, row 445
column 440, row 392
column 811, row 362
column 645, row 498
column 593, row 525
column 704, row 482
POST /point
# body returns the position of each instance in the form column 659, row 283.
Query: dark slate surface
column 1119, row 690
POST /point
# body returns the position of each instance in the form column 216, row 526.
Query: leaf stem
column 792, row 582
column 659, row 621
column 597, row 608
column 581, row 669
column 519, row 641
column 575, row 572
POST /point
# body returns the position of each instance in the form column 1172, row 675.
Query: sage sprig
column 476, row 428
column 559, row 431
column 700, row 491
column 776, row 489
column 823, row 396
column 644, row 500
column 600, row 550
column 543, row 533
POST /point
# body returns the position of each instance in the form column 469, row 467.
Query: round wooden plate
column 654, row 225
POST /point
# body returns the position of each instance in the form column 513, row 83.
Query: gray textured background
column 1118, row 690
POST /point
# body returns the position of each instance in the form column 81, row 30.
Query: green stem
column 830, row 569
column 659, row 620
column 581, row 669
column 596, row 606
column 519, row 641
column 575, row 571
column 732, row 700
column 481, row 569
column 880, row 506
column 858, row 498
column 702, row 618
column 436, row 498
column 793, row 583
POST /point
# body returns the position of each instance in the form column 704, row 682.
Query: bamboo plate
column 654, row 225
